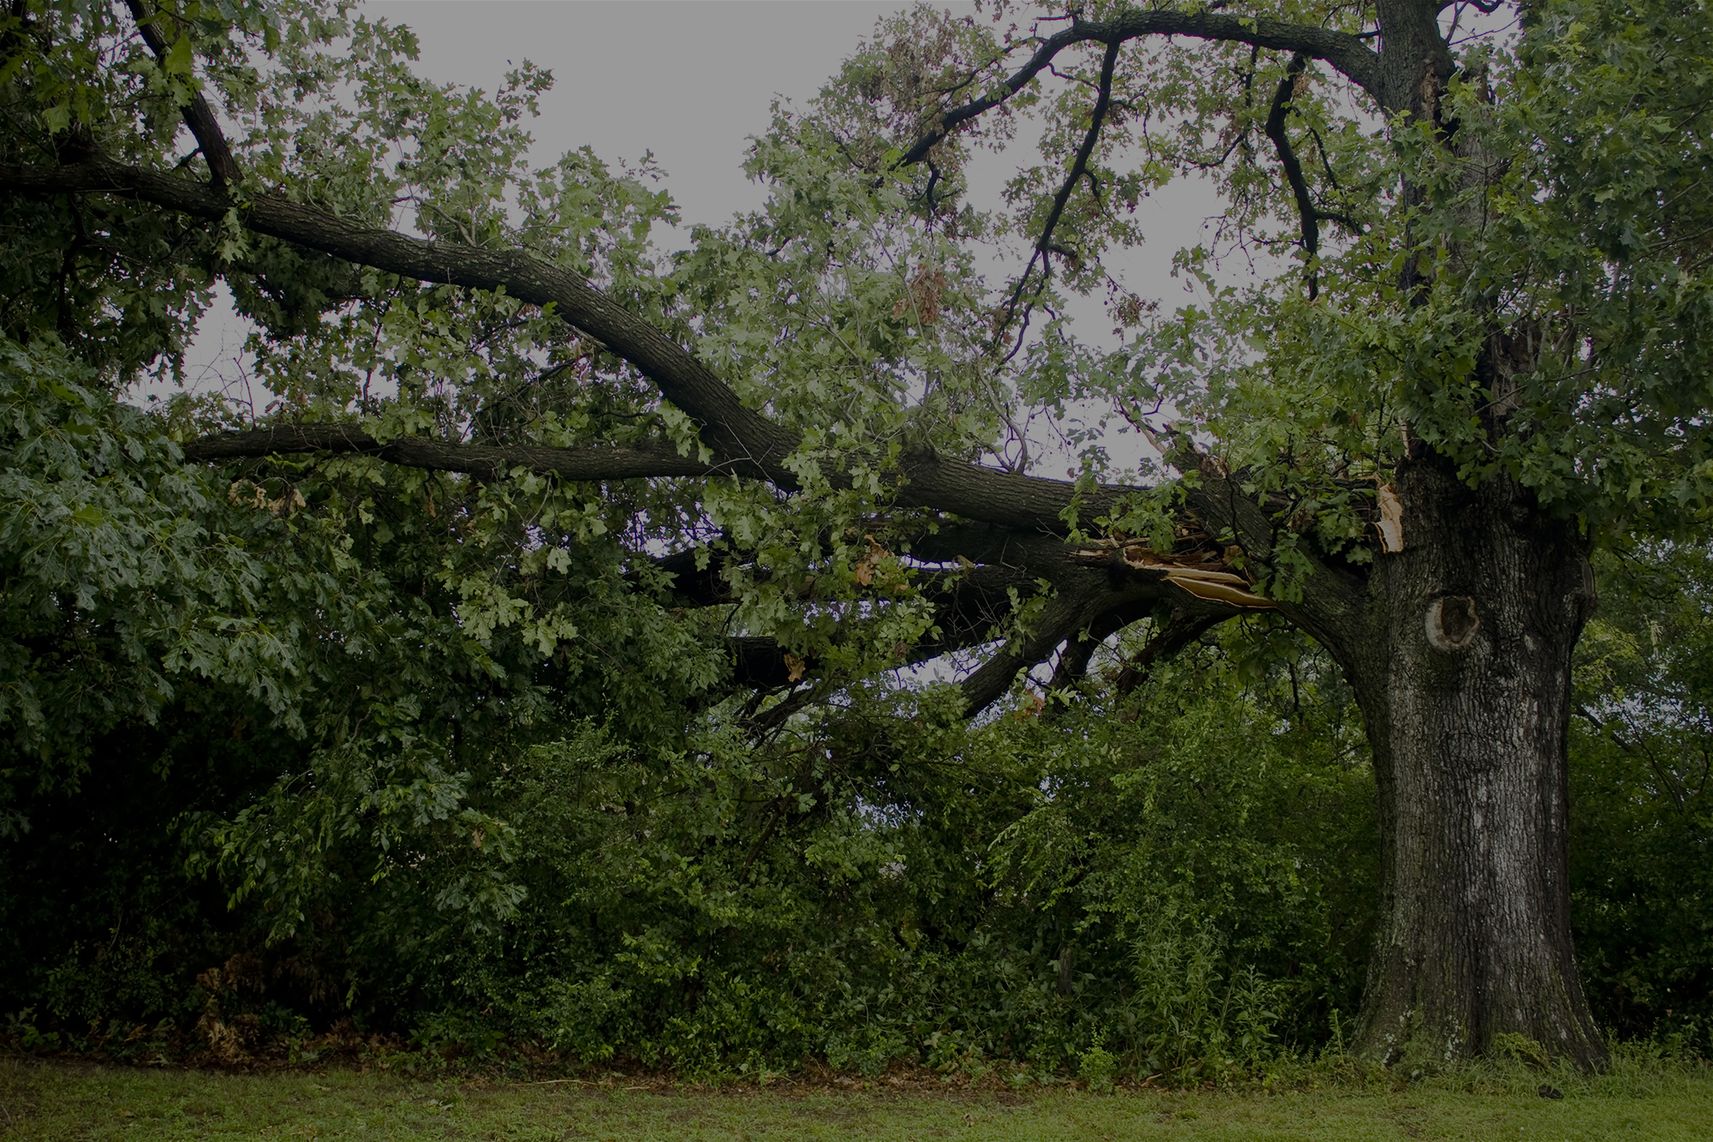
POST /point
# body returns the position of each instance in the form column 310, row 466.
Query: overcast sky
column 690, row 81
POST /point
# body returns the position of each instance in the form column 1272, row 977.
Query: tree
column 1641, row 830
column 1487, row 353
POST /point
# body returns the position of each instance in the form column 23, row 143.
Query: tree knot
column 1452, row 623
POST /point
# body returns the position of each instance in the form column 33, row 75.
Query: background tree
column 761, row 463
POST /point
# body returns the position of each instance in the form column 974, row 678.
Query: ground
column 41, row 1100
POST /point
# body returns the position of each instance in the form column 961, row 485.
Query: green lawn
column 48, row 1100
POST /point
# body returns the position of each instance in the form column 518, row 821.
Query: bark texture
column 1467, row 697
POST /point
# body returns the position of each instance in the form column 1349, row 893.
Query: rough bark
column 1465, row 684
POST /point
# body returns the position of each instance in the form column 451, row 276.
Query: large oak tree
column 1474, row 346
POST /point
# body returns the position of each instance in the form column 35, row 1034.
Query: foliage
column 1020, row 890
column 129, row 579
column 1643, row 808
column 1116, row 888
column 962, row 928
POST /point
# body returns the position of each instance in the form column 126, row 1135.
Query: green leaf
column 178, row 58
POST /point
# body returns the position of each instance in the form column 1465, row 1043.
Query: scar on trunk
column 1391, row 522
column 1452, row 623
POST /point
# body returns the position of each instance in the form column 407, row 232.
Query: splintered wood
column 1201, row 577
column 1391, row 522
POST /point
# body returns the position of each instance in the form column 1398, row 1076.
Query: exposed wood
column 1390, row 525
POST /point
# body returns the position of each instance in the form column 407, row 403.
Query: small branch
column 198, row 116
column 1670, row 780
column 1132, row 412
column 1275, row 129
column 1044, row 246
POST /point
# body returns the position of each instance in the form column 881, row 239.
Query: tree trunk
column 1464, row 680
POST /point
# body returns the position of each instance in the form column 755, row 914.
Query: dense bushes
column 1641, row 801
column 1027, row 890
column 473, row 860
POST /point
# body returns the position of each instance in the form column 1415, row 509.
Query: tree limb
column 738, row 435
column 1308, row 215
column 1029, row 511
column 951, row 541
column 743, row 441
column 1079, row 649
column 1079, row 167
column 1179, row 630
column 1058, row 621
column 594, row 463
column 1083, row 611
column 198, row 116
column 1343, row 52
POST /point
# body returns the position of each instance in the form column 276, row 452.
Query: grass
column 55, row 1100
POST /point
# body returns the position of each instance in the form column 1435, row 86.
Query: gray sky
column 689, row 80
